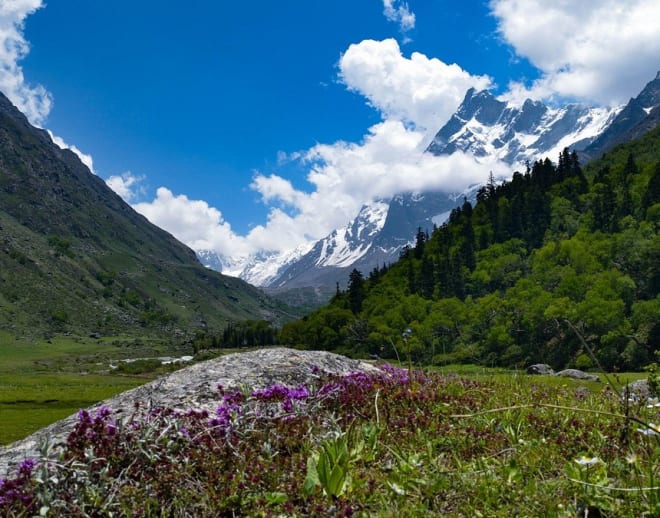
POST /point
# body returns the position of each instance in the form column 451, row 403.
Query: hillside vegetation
column 543, row 264
column 74, row 257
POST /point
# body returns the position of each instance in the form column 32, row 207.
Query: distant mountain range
column 374, row 237
column 74, row 257
column 483, row 126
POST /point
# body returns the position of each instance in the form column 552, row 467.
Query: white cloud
column 346, row 175
column 194, row 222
column 415, row 96
column 34, row 101
column 127, row 185
column 419, row 90
column 397, row 11
column 599, row 50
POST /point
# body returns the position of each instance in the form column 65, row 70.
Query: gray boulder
column 637, row 390
column 195, row 387
column 577, row 374
column 540, row 368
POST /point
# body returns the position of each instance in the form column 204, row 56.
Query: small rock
column 577, row 374
column 637, row 390
column 582, row 392
column 540, row 368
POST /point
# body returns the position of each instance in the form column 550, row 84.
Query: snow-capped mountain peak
column 484, row 126
column 487, row 127
column 346, row 245
column 258, row 269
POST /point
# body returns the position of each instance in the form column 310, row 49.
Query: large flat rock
column 195, row 387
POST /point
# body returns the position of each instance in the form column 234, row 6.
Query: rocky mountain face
column 639, row 116
column 374, row 238
column 487, row 127
column 483, row 126
column 75, row 257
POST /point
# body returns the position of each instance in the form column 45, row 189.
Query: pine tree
column 420, row 241
column 652, row 194
column 630, row 167
column 355, row 291
column 427, row 278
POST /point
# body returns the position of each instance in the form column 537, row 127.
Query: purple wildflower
column 103, row 412
column 397, row 374
column 233, row 398
column 287, row 395
column 26, row 466
column 280, row 392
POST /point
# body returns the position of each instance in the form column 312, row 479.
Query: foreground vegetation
column 389, row 444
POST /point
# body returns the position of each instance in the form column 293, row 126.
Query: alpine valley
column 489, row 129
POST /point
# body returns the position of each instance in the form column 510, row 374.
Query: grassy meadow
column 450, row 441
column 42, row 381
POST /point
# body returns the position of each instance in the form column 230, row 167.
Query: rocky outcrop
column 637, row 390
column 577, row 374
column 540, row 368
column 195, row 387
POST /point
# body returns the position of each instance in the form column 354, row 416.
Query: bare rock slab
column 577, row 374
column 540, row 368
column 195, row 387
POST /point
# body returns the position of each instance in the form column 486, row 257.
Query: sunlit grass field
column 43, row 381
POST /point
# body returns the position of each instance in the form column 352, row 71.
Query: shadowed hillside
column 75, row 257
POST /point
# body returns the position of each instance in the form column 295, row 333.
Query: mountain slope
column 74, row 256
column 374, row 238
column 640, row 115
column 328, row 259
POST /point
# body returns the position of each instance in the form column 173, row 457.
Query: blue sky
column 258, row 125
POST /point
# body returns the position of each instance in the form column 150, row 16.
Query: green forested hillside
column 554, row 252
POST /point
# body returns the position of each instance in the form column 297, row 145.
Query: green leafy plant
column 329, row 467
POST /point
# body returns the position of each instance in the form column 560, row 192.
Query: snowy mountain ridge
column 487, row 127
column 259, row 269
column 484, row 126
column 345, row 246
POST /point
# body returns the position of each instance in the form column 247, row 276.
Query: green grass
column 29, row 402
column 44, row 381
column 508, row 376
